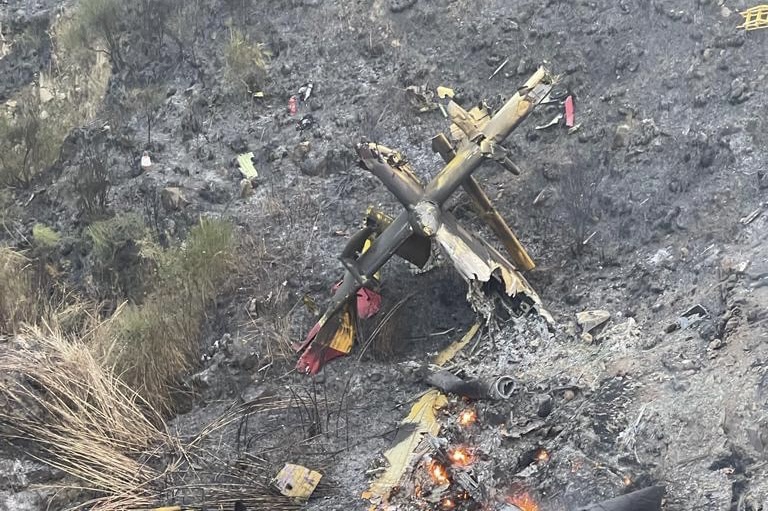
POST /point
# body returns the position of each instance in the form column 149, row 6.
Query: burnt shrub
column 579, row 186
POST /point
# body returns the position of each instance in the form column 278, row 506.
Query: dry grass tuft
column 81, row 418
column 74, row 414
column 45, row 237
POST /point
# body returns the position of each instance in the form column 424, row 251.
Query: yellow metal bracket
column 755, row 17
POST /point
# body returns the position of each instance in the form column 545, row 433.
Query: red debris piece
column 316, row 356
column 368, row 303
column 308, row 339
column 570, row 112
column 293, row 105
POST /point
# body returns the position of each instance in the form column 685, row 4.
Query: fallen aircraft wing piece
column 477, row 261
column 422, row 420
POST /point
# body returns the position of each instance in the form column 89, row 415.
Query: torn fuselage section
column 494, row 285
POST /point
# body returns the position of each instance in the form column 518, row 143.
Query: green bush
column 45, row 237
column 246, row 62
column 109, row 236
column 152, row 345
column 123, row 255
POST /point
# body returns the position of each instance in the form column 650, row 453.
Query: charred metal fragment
column 495, row 388
column 647, row 499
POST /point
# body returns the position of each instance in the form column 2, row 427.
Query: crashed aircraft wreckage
column 475, row 137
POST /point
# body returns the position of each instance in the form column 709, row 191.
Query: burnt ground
column 670, row 97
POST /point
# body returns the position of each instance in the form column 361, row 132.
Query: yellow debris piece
column 297, row 481
column 245, row 161
column 445, row 92
column 755, row 17
column 421, row 420
column 310, row 304
column 344, row 337
column 448, row 353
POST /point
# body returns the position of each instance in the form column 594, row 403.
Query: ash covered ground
column 670, row 97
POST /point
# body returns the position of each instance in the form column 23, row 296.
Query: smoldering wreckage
column 519, row 413
column 431, row 463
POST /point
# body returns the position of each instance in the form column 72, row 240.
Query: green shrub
column 109, row 236
column 246, row 62
column 152, row 345
column 122, row 255
column 200, row 265
column 44, row 236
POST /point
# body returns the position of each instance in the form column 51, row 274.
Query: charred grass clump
column 152, row 344
column 18, row 303
column 95, row 27
column 30, row 293
column 29, row 140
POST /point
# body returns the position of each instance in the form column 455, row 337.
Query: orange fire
column 467, row 417
column 524, row 502
column 627, row 480
column 542, row 456
column 438, row 473
column 461, row 456
column 447, row 503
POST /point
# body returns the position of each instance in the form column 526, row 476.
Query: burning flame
column 461, row 456
column 627, row 480
column 447, row 503
column 467, row 417
column 542, row 456
column 438, row 473
column 524, row 502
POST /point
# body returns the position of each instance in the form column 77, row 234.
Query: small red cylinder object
column 292, row 105
column 570, row 113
